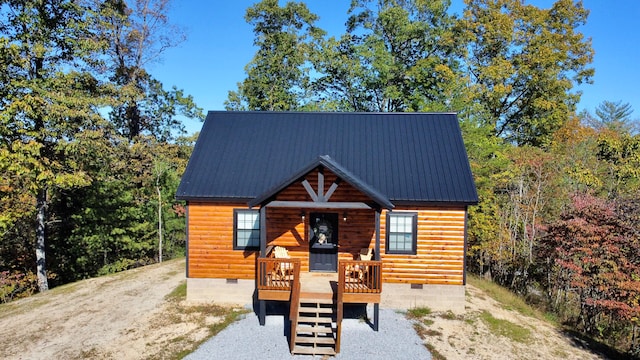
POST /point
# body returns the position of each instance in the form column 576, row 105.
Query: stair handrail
column 295, row 303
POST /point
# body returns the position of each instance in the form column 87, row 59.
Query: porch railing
column 358, row 280
column 360, row 276
column 277, row 274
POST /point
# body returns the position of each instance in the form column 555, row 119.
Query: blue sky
column 220, row 43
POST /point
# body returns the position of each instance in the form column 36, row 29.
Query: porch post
column 262, row 314
column 263, row 231
column 377, row 257
column 376, row 306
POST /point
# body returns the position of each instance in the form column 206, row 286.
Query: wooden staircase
column 313, row 332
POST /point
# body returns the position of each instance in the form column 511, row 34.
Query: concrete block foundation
column 221, row 291
column 394, row 296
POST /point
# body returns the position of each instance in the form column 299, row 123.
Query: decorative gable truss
column 320, row 199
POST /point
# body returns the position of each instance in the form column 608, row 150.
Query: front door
column 323, row 244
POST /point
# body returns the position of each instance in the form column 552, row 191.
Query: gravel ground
column 246, row 339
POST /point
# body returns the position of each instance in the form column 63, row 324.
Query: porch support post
column 262, row 312
column 377, row 254
column 376, row 306
column 376, row 316
column 263, row 231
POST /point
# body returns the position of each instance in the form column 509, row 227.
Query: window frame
column 414, row 233
column 236, row 212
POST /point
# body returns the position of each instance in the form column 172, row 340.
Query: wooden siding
column 353, row 234
column 344, row 192
column 285, row 228
column 211, row 253
column 440, row 250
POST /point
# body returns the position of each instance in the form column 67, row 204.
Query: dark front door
column 323, row 244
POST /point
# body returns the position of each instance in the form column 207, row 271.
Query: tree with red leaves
column 594, row 255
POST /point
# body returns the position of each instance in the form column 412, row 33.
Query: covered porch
column 310, row 240
column 316, row 300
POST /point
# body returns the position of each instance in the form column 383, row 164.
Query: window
column 246, row 233
column 401, row 233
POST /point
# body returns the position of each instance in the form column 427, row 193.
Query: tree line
column 91, row 146
column 558, row 213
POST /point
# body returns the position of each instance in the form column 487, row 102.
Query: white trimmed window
column 246, row 224
column 401, row 233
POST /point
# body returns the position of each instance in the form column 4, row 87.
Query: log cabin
column 375, row 203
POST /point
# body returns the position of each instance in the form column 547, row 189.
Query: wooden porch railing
column 358, row 281
column 279, row 279
column 360, row 276
column 277, row 274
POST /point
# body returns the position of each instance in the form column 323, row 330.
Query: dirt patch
column 138, row 314
column 489, row 331
column 122, row 316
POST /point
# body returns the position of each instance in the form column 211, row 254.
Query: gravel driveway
column 246, row 339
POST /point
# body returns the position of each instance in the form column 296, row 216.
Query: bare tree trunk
column 41, row 269
column 159, row 223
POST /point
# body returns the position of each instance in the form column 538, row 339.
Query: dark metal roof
column 405, row 157
column 339, row 171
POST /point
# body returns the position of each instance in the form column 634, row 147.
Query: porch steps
column 315, row 329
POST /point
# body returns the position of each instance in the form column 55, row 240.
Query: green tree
column 574, row 146
column 524, row 62
column 396, row 56
column 613, row 116
column 49, row 98
column 278, row 77
column 489, row 164
column 620, row 154
column 115, row 223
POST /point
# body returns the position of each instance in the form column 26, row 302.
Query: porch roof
column 341, row 172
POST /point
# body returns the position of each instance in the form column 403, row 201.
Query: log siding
column 439, row 257
column 211, row 253
column 440, row 249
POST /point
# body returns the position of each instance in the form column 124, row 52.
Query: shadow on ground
column 596, row 347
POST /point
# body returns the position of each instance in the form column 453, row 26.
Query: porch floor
column 319, row 282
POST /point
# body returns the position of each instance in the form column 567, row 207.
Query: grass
column 435, row 355
column 197, row 323
column 418, row 313
column 423, row 333
column 506, row 328
column 201, row 314
column 509, row 300
column 449, row 315
column 427, row 322
column 179, row 293
column 421, row 328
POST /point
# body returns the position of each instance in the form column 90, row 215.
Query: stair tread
column 315, row 319
column 308, row 350
column 321, row 310
column 326, row 340
column 314, row 329
column 313, row 299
